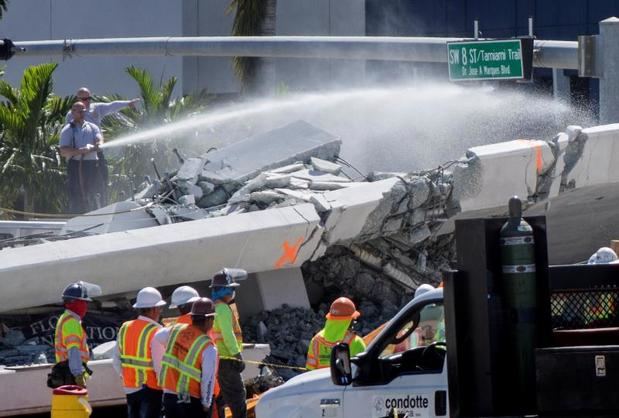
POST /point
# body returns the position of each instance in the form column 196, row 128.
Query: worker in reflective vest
column 70, row 342
column 337, row 329
column 229, row 341
column 188, row 365
column 137, row 358
column 182, row 299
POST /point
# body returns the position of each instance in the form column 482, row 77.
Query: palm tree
column 254, row 18
column 30, row 120
column 159, row 107
column 3, row 4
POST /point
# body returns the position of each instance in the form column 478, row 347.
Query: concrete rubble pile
column 16, row 350
column 280, row 168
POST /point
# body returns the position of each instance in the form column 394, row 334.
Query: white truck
column 397, row 374
column 550, row 349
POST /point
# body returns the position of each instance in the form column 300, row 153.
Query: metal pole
column 609, row 80
column 531, row 26
column 476, row 29
column 561, row 89
column 549, row 54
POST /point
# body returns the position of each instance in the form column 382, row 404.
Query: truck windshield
column 430, row 328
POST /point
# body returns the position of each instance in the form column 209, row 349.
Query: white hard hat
column 423, row 289
column 149, row 297
column 183, row 295
column 604, row 255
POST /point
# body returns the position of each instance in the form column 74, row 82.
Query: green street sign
column 489, row 60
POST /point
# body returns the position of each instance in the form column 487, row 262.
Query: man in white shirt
column 95, row 112
column 79, row 143
column 137, row 357
column 189, row 364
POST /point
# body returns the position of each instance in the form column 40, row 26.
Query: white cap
column 423, row 289
column 149, row 297
column 183, row 295
column 604, row 255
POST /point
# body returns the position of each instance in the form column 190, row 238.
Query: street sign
column 504, row 59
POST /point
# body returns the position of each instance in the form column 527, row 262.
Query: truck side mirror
column 341, row 373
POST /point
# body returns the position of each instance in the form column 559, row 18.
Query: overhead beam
column 548, row 54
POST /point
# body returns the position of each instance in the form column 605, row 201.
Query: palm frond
column 3, row 5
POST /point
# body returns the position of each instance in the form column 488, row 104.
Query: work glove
column 80, row 380
column 241, row 363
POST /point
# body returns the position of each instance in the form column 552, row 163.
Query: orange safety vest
column 136, row 357
column 183, row 319
column 186, row 319
column 181, row 366
column 69, row 334
column 236, row 328
column 319, row 357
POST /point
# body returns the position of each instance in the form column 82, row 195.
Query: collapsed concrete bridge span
column 286, row 213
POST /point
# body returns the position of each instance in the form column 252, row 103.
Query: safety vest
column 183, row 319
column 186, row 319
column 319, row 355
column 181, row 366
column 136, row 357
column 236, row 329
column 69, row 334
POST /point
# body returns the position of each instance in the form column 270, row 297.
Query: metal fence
column 585, row 308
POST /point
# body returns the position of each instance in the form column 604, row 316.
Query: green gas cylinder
column 519, row 294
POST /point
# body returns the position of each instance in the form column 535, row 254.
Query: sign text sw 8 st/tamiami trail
column 485, row 60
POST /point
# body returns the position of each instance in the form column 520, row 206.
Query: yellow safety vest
column 70, row 334
column 319, row 355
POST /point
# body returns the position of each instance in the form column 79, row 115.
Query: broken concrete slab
column 125, row 261
column 594, row 152
column 266, row 197
column 325, row 166
column 187, row 199
column 188, row 188
column 207, row 188
column 480, row 181
column 288, row 168
column 216, row 198
column 298, row 141
column 351, row 207
column 315, row 175
column 190, row 170
column 121, row 216
column 328, row 185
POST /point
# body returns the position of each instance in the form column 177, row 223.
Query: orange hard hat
column 343, row 308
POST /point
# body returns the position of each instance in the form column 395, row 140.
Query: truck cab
column 402, row 373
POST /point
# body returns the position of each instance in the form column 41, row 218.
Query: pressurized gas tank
column 519, row 295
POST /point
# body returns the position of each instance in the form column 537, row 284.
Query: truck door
column 404, row 373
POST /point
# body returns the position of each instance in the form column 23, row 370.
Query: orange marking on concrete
column 289, row 254
column 539, row 160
